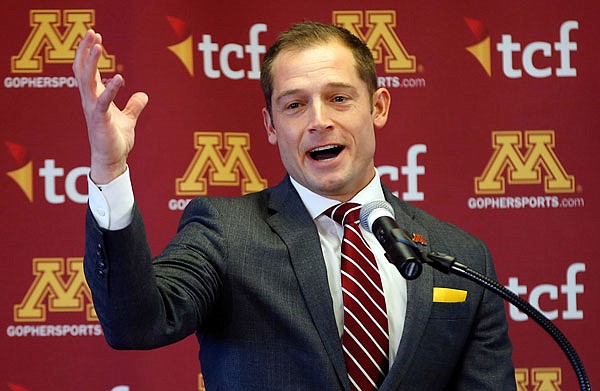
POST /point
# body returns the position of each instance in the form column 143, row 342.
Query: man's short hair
column 306, row 34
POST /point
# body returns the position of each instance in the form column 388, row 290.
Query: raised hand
column 111, row 131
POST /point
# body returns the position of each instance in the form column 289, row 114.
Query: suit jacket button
column 99, row 252
column 100, row 273
column 101, row 265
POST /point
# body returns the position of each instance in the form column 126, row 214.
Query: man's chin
column 336, row 188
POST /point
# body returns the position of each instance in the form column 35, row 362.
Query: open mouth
column 325, row 152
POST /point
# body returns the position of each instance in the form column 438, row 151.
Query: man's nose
column 320, row 116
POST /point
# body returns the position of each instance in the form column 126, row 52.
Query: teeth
column 324, row 148
column 326, row 152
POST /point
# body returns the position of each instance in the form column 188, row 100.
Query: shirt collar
column 317, row 204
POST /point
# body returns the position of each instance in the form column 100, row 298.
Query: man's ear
column 268, row 123
column 381, row 107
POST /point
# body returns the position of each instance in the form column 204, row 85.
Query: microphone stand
column 448, row 264
column 408, row 259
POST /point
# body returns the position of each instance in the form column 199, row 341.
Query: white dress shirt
column 331, row 234
column 112, row 206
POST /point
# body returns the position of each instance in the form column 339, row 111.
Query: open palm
column 111, row 131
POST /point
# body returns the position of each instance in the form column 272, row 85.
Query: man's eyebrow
column 294, row 91
column 341, row 85
column 287, row 93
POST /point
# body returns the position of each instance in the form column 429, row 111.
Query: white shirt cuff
column 112, row 204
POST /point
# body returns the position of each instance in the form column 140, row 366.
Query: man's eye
column 339, row 99
column 293, row 106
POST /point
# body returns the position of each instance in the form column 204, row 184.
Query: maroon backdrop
column 492, row 128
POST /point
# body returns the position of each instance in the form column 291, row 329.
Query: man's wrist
column 106, row 174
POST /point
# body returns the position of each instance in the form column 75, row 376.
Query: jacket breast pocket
column 443, row 310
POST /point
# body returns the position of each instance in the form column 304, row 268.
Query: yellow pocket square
column 449, row 295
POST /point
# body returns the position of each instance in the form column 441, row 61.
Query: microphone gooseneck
column 378, row 217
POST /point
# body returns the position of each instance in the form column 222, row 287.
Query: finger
column 83, row 50
column 136, row 104
column 109, row 93
column 90, row 83
column 91, row 63
column 85, row 66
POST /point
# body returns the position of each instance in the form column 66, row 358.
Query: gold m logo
column 380, row 35
column 544, row 379
column 524, row 168
column 222, row 170
column 46, row 44
column 50, row 292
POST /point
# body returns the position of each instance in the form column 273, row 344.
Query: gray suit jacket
column 247, row 275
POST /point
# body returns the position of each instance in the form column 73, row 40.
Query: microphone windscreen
column 373, row 210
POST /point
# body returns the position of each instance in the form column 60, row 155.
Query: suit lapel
column 292, row 222
column 419, row 301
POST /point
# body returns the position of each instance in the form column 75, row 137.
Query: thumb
column 136, row 104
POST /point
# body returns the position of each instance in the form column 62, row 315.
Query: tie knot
column 346, row 213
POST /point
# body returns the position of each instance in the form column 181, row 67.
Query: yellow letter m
column 49, row 292
column 221, row 169
column 57, row 48
column 380, row 35
column 524, row 168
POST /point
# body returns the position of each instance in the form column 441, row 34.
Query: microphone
column 378, row 218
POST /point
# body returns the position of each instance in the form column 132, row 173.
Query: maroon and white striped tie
column 365, row 339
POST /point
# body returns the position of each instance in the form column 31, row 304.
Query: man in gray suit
column 257, row 278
